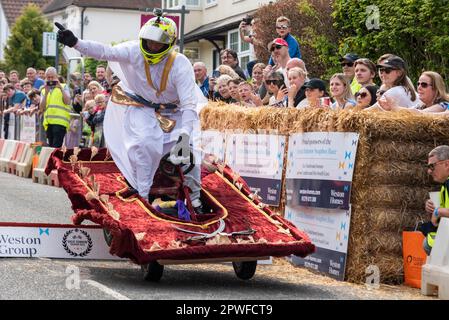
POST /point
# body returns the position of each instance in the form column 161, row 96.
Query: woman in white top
column 393, row 73
column 340, row 90
column 432, row 94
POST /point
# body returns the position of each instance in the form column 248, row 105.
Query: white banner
column 213, row 142
column 28, row 128
column 62, row 242
column 49, row 44
column 259, row 160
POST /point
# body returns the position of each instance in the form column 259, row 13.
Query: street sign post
column 49, row 44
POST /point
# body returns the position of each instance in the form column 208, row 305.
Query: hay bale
column 399, row 172
column 391, row 196
column 393, row 220
column 390, row 182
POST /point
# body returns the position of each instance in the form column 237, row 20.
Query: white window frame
column 210, row 3
column 240, row 54
column 180, row 4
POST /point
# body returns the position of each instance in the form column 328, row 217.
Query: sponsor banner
column 213, row 142
column 259, row 160
column 28, row 128
column 329, row 231
column 320, row 167
column 53, row 241
column 318, row 193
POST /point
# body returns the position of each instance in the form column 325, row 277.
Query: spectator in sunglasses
column 366, row 97
column 347, row 63
column 393, row 73
column 341, row 92
column 432, row 93
column 283, row 29
column 279, row 50
column 276, row 86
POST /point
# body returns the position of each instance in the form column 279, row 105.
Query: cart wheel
column 107, row 236
column 245, row 270
column 152, row 271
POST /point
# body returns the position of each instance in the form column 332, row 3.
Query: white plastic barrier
column 6, row 154
column 435, row 273
column 23, row 167
column 39, row 175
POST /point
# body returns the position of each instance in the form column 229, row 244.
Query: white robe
column 132, row 134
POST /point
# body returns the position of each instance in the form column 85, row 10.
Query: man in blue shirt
column 35, row 80
column 201, row 77
column 283, row 29
column 16, row 100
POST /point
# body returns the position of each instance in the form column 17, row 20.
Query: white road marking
column 106, row 290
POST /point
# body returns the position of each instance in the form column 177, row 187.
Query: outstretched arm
column 97, row 50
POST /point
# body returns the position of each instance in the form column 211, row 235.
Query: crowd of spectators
column 87, row 98
column 283, row 80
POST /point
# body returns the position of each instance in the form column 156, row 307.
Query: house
column 212, row 25
column 10, row 10
column 104, row 21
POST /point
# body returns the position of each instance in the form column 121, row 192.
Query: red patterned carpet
column 142, row 234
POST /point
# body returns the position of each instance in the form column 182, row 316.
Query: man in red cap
column 279, row 52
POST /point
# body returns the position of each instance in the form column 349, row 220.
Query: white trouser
column 136, row 143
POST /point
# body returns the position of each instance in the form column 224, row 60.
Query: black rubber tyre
column 152, row 271
column 107, row 237
column 245, row 270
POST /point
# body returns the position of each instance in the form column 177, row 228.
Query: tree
column 312, row 25
column 416, row 30
column 24, row 46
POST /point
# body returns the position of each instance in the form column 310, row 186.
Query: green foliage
column 24, row 46
column 312, row 25
column 416, row 30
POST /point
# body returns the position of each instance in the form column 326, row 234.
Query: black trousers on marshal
column 55, row 135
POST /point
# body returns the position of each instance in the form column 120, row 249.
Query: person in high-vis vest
column 156, row 83
column 438, row 168
column 55, row 104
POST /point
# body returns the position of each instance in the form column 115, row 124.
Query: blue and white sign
column 329, row 231
column 320, row 166
column 259, row 160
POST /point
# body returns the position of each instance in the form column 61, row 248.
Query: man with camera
column 55, row 105
column 248, row 33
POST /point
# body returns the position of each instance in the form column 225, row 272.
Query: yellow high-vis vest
column 444, row 203
column 56, row 111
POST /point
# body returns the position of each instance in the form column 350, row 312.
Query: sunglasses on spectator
column 362, row 95
column 283, row 27
column 347, row 64
column 386, row 70
column 268, row 82
column 423, row 85
column 380, row 92
column 278, row 46
column 431, row 166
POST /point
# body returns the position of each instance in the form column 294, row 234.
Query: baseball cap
column 393, row 63
column 277, row 41
column 315, row 83
column 352, row 57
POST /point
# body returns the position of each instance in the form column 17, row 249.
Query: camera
column 52, row 83
column 248, row 20
column 216, row 74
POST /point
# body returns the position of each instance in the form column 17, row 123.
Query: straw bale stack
column 390, row 182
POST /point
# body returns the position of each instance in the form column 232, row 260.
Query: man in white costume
column 152, row 74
